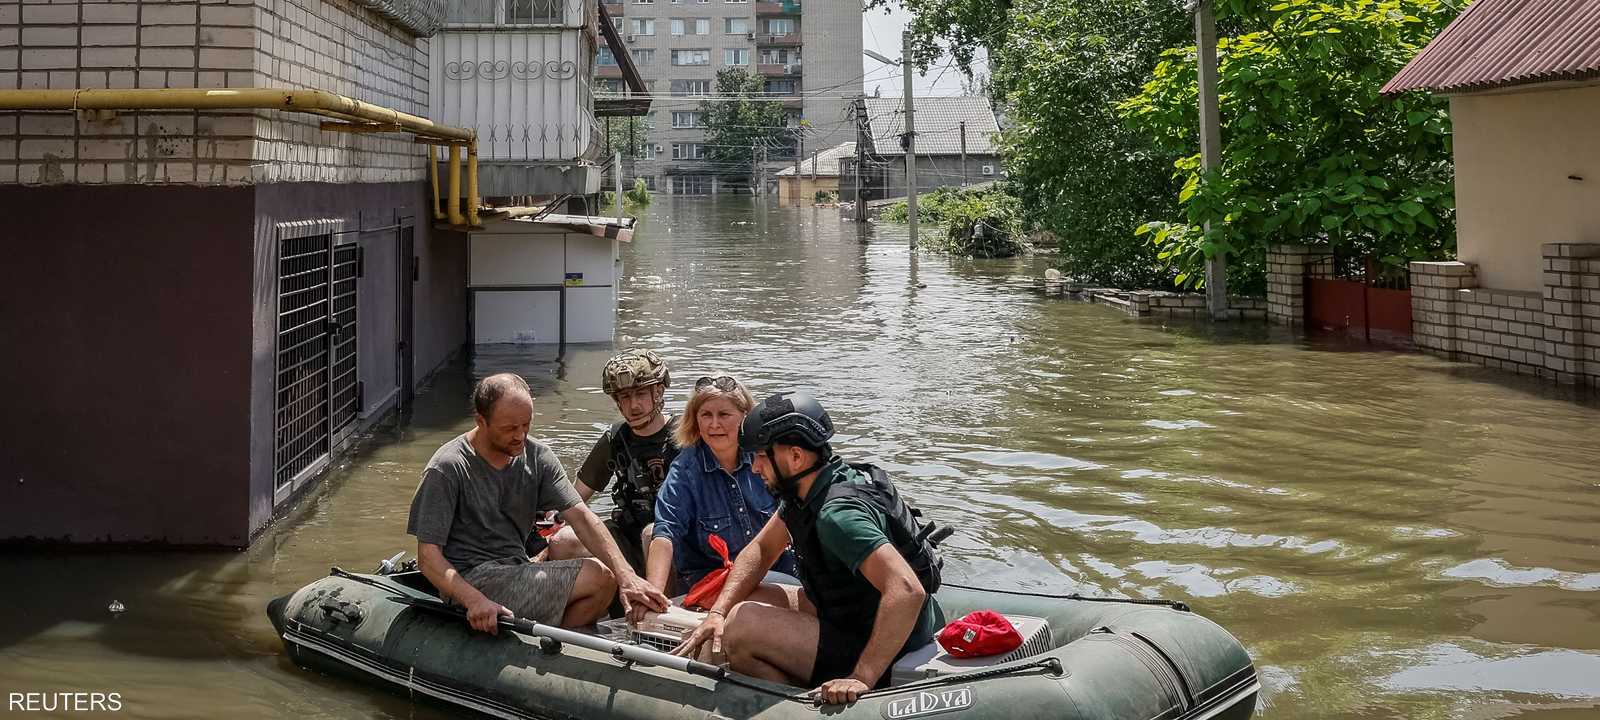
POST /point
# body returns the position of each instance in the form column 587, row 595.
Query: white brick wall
column 332, row 45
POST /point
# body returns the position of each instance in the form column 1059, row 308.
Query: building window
column 677, row 26
column 647, row 2
column 736, row 26
column 780, row 56
column 781, row 87
column 736, row 56
column 686, row 119
column 644, row 26
column 688, row 151
column 691, row 57
column 643, row 56
column 780, row 26
column 702, row 26
column 742, row 2
column 691, row 185
column 691, row 87
column 609, row 85
column 605, row 57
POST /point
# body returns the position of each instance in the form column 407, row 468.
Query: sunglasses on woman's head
column 724, row 383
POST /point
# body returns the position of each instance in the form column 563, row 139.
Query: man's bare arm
column 482, row 613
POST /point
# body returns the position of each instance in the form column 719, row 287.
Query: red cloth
column 980, row 634
column 704, row 593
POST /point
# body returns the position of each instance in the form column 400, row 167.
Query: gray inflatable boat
column 1083, row 658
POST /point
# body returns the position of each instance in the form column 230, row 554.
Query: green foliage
column 735, row 127
column 1079, row 170
column 1311, row 152
column 639, row 194
column 824, row 197
column 626, row 135
column 977, row 223
column 1059, row 68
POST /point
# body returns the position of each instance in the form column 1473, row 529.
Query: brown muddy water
column 1390, row 535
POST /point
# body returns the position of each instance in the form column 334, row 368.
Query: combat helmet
column 632, row 369
column 792, row 418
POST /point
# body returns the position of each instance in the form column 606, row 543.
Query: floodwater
column 1390, row 535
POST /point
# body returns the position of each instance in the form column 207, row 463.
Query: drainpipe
column 473, row 201
column 433, row 179
column 453, row 193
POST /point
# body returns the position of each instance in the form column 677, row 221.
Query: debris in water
column 116, row 607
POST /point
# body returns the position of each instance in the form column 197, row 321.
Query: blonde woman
column 711, row 489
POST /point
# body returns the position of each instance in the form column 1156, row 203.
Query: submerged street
column 1390, row 535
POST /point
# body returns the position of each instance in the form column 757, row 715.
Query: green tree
column 1058, row 70
column 627, row 135
column 1311, row 151
column 740, row 119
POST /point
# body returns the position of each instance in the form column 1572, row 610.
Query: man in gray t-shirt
column 477, row 501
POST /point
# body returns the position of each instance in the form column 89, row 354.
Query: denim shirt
column 699, row 499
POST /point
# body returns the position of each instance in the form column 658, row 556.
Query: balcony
column 779, row 69
column 780, row 7
column 608, row 71
column 615, row 9
column 784, row 40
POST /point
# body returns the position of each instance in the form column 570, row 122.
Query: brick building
column 203, row 306
column 1523, row 78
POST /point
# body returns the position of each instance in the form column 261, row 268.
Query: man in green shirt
column 866, row 567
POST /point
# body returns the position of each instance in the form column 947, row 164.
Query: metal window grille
column 301, row 436
column 344, row 389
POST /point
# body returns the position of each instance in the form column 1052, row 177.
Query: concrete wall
column 1514, row 154
column 333, row 45
column 126, row 364
column 834, row 68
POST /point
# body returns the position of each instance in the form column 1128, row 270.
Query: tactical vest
column 843, row 597
column 637, row 476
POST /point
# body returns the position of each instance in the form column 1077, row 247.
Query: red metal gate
column 1360, row 298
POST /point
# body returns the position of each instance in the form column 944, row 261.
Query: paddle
column 621, row 651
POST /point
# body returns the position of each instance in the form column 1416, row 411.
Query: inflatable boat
column 1082, row 658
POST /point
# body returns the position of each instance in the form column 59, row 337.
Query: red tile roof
column 1498, row 43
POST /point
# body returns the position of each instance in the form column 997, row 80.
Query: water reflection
column 1390, row 535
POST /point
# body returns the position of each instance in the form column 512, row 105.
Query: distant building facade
column 809, row 56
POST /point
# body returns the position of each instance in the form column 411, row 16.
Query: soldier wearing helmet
column 868, row 567
column 631, row 457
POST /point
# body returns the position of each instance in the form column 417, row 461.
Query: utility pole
column 1205, row 38
column 800, row 152
column 814, row 154
column 755, row 171
column 616, row 172
column 906, row 64
column 861, row 154
column 963, row 153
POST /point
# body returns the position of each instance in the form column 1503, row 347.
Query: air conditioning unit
column 791, row 69
column 658, row 148
column 631, row 37
column 751, row 36
column 988, row 170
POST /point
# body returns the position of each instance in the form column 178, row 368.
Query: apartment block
column 808, row 55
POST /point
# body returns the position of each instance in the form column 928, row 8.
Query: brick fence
column 1551, row 334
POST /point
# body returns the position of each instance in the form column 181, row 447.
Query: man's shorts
column 537, row 591
column 837, row 653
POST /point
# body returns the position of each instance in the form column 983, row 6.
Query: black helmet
column 791, row 418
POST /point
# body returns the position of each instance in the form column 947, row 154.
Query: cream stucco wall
column 1514, row 153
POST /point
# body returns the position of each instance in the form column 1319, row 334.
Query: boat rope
column 1178, row 605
